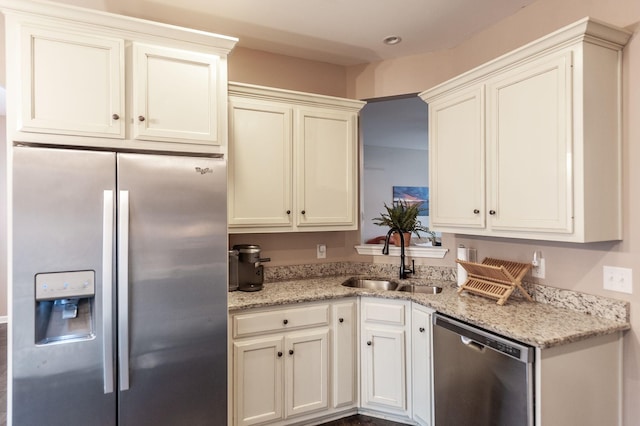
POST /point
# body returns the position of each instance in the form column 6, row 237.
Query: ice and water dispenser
column 64, row 306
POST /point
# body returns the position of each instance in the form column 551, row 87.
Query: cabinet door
column 257, row 377
column 344, row 354
column 421, row 365
column 259, row 164
column 326, row 169
column 72, row 83
column 456, row 160
column 175, row 95
column 529, row 145
column 307, row 372
column 384, row 369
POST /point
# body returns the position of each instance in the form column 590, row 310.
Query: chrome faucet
column 404, row 269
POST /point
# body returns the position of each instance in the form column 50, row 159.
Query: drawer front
column 250, row 324
column 387, row 312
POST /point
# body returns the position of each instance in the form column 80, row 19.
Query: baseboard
column 4, row 319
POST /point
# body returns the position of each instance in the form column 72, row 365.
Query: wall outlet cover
column 617, row 279
column 538, row 271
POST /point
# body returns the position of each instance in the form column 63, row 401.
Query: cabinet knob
column 290, row 351
column 303, row 212
column 279, row 354
column 368, row 342
column 340, row 319
column 492, row 212
column 115, row 117
column 476, row 211
column 285, row 322
column 141, row 118
column 421, row 329
column 288, row 211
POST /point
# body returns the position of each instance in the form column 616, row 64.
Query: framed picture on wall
column 413, row 195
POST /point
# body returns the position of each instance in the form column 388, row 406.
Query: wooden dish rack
column 494, row 278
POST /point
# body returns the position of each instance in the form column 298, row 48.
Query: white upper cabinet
column 529, row 144
column 456, row 160
column 292, row 161
column 260, row 166
column 82, row 78
column 529, row 147
column 326, row 168
column 175, row 95
column 72, row 83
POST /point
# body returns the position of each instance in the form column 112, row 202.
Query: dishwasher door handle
column 472, row 344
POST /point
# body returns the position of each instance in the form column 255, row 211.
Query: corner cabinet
column 81, row 78
column 529, row 145
column 293, row 162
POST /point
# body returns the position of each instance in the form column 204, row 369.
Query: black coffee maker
column 250, row 269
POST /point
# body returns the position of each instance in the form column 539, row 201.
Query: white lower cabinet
column 306, row 364
column 344, row 354
column 422, row 395
column 257, row 379
column 385, row 361
column 293, row 365
column 306, row 369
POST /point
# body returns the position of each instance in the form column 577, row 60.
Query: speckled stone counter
column 538, row 324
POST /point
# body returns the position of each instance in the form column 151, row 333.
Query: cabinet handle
column 421, row 329
column 303, row 212
column 290, row 351
column 285, row 322
column 115, row 117
column 288, row 211
column 279, row 354
column 476, row 211
column 492, row 212
column 141, row 118
column 368, row 342
column 340, row 319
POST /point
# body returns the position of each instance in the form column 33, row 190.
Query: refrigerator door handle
column 123, row 290
column 107, row 291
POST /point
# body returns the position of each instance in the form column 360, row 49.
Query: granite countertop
column 537, row 324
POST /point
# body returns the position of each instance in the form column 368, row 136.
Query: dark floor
column 360, row 420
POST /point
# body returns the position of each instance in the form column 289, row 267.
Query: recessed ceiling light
column 391, row 40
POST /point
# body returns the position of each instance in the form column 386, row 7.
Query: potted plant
column 403, row 216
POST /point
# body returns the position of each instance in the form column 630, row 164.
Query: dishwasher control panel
column 481, row 338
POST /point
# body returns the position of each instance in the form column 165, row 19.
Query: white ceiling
column 345, row 32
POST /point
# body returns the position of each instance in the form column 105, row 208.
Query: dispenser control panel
column 63, row 285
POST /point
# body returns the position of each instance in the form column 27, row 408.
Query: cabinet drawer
column 387, row 312
column 280, row 320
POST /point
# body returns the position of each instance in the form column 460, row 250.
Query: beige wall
column 285, row 72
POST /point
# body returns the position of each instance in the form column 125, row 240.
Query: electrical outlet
column 321, row 251
column 538, row 271
column 617, row 279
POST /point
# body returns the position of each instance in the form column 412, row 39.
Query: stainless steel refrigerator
column 119, row 292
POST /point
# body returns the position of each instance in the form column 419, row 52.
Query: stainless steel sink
column 370, row 283
column 426, row 289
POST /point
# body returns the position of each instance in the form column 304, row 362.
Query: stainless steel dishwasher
column 480, row 379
